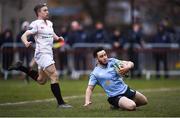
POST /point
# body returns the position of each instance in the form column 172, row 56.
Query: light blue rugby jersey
column 108, row 79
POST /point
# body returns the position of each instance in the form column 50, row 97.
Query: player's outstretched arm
column 57, row 38
column 88, row 95
column 24, row 39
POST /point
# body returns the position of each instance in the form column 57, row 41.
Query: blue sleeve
column 92, row 80
column 116, row 61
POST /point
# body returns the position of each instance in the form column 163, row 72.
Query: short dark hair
column 96, row 51
column 38, row 7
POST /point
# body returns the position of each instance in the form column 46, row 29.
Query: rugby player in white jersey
column 42, row 30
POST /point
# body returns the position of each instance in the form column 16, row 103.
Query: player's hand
column 87, row 104
column 61, row 38
column 28, row 44
column 123, row 71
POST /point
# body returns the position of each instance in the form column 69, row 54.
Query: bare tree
column 156, row 10
column 97, row 9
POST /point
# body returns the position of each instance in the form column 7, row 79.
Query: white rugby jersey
column 43, row 35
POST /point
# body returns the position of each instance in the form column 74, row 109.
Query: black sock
column 57, row 93
column 32, row 73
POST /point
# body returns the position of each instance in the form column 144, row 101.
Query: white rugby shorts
column 43, row 60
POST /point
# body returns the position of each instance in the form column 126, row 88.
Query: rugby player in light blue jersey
column 108, row 74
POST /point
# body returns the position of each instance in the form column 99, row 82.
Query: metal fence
column 78, row 59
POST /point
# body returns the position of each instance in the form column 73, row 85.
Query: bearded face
column 102, row 57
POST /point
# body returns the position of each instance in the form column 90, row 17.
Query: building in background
column 114, row 13
column 14, row 12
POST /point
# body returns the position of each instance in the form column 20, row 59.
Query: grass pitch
column 20, row 99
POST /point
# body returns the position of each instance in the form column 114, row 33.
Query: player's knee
column 53, row 74
column 145, row 101
column 54, row 77
column 131, row 106
column 42, row 81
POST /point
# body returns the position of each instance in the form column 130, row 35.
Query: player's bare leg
column 52, row 74
column 127, row 104
column 140, row 99
column 32, row 63
column 42, row 78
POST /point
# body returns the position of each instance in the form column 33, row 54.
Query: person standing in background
column 135, row 41
column 7, row 51
column 161, row 38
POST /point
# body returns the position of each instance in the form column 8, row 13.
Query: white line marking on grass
column 44, row 100
column 159, row 90
column 81, row 96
